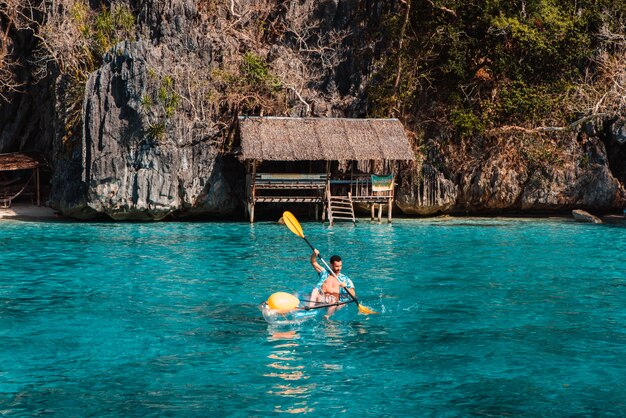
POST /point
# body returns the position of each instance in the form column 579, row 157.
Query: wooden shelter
column 332, row 162
column 10, row 188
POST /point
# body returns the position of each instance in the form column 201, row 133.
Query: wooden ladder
column 340, row 208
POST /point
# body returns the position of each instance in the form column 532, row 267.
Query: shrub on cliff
column 492, row 62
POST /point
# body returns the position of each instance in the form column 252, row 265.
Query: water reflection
column 286, row 365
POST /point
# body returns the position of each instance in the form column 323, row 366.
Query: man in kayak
column 332, row 288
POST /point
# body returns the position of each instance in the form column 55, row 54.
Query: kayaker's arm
column 314, row 262
column 349, row 290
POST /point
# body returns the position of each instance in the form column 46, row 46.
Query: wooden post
column 391, row 194
column 373, row 211
column 329, row 206
column 327, row 196
column 252, row 191
column 380, row 211
column 37, row 180
column 246, row 197
column 352, row 185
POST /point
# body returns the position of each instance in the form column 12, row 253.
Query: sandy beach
column 22, row 211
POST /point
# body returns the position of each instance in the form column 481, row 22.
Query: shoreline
column 29, row 212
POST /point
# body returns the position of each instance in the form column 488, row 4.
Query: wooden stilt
column 252, row 189
column 373, row 211
column 380, row 211
column 327, row 196
column 389, row 210
column 37, row 179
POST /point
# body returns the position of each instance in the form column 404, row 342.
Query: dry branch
column 543, row 129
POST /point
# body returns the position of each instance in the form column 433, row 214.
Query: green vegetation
column 491, row 63
column 167, row 96
column 111, row 26
column 248, row 87
column 76, row 37
column 257, row 74
column 157, row 130
column 160, row 105
column 94, row 33
column 466, row 122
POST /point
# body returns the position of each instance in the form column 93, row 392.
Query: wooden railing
column 360, row 186
column 316, row 189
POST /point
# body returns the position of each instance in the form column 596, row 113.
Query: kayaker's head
column 336, row 264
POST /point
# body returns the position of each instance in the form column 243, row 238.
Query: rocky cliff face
column 157, row 119
column 500, row 181
column 143, row 154
column 152, row 140
column 423, row 190
column 136, row 163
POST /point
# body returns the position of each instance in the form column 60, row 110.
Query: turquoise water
column 478, row 317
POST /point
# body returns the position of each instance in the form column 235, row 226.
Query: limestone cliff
column 131, row 171
column 157, row 113
column 149, row 131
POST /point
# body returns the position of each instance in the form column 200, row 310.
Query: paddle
column 326, row 305
column 294, row 226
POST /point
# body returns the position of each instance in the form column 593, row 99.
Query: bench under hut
column 332, row 163
column 18, row 172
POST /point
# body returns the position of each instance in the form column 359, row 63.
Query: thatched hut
column 11, row 185
column 329, row 161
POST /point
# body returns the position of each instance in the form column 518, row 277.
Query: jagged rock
column 424, row 190
column 499, row 183
column 570, row 185
column 582, row 216
column 618, row 130
column 494, row 185
column 558, row 189
column 121, row 168
column 129, row 173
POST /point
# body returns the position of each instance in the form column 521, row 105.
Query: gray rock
column 618, row 130
column 133, row 161
column 424, row 190
column 582, row 216
column 494, row 185
column 127, row 171
column 569, row 185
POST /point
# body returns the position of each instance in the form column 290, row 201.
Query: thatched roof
column 315, row 139
column 15, row 161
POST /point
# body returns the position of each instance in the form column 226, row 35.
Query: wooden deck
column 320, row 188
column 284, row 188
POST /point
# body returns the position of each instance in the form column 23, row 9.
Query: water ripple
column 478, row 317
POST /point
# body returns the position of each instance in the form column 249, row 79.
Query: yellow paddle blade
column 293, row 224
column 365, row 310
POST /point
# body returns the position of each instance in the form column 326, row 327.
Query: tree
column 16, row 17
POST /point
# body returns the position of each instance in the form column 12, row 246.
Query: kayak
column 283, row 309
column 294, row 316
